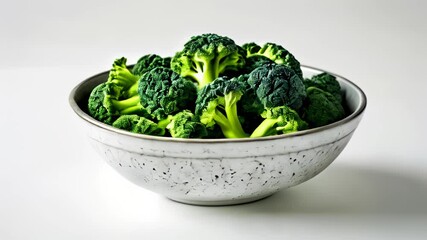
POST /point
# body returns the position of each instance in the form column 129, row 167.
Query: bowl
column 220, row 171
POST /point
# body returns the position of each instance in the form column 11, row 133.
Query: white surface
column 54, row 186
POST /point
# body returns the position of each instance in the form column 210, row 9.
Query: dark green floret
column 321, row 108
column 106, row 104
column 274, row 52
column 216, row 104
column 186, row 125
column 205, row 57
column 256, row 61
column 277, row 85
column 326, row 82
column 149, row 62
column 142, row 125
column 279, row 120
column 164, row 92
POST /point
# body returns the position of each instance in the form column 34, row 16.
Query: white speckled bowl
column 220, row 171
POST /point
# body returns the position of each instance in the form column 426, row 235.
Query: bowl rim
column 82, row 114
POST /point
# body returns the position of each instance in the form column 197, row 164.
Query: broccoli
column 326, row 82
column 148, row 62
column 185, row 125
column 164, row 92
column 321, row 108
column 120, row 74
column 207, row 56
column 255, row 62
column 274, row 52
column 105, row 103
column 251, row 49
column 279, row 120
column 277, row 85
column 217, row 104
column 142, row 125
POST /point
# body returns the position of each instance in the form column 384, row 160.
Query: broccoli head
column 274, row 52
column 251, row 49
column 255, row 62
column 120, row 74
column 326, row 82
column 321, row 108
column 279, row 120
column 106, row 103
column 185, row 125
column 148, row 62
column 137, row 124
column 277, row 85
column 207, row 56
column 216, row 104
column 164, row 92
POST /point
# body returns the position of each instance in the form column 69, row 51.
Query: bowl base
column 220, row 202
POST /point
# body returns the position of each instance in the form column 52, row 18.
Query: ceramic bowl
column 220, row 171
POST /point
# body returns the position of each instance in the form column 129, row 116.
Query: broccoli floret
column 321, row 108
column 251, row 49
column 207, row 56
column 185, row 125
column 148, row 62
column 138, row 124
column 274, row 52
column 277, row 85
column 105, row 103
column 279, row 120
column 326, row 82
column 164, row 92
column 255, row 62
column 120, row 74
column 217, row 104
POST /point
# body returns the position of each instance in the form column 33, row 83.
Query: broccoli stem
column 209, row 69
column 287, row 128
column 133, row 90
column 225, row 125
column 227, row 128
column 231, row 100
column 164, row 122
column 128, row 106
column 265, row 128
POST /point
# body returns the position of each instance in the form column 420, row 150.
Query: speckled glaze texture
column 212, row 172
column 220, row 173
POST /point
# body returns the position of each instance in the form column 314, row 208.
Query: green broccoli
column 321, row 108
column 120, row 74
column 207, row 56
column 274, row 52
column 148, row 62
column 138, row 124
column 164, row 92
column 106, row 104
column 217, row 104
column 185, row 125
column 256, row 61
column 326, row 82
column 279, row 120
column 277, row 85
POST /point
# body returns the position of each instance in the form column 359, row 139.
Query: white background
column 54, row 186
